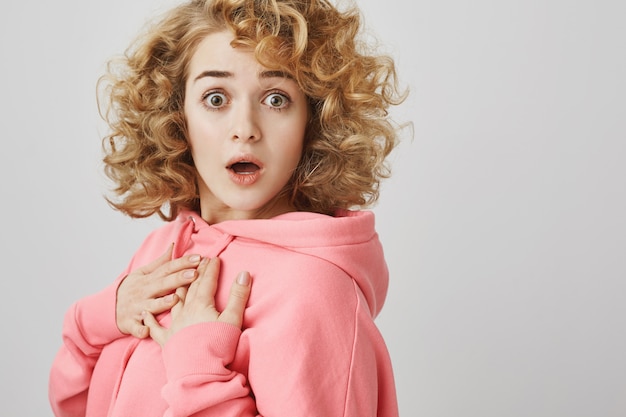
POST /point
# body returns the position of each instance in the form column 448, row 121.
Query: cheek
column 196, row 123
column 202, row 150
column 199, row 135
column 292, row 159
column 293, row 147
column 302, row 141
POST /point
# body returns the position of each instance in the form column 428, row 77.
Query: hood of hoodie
column 347, row 240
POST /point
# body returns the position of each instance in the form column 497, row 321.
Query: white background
column 504, row 224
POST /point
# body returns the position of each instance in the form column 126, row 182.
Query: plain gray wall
column 504, row 223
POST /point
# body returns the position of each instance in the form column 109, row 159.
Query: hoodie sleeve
column 200, row 382
column 313, row 350
column 88, row 325
column 319, row 352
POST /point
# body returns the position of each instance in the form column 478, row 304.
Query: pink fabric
column 309, row 345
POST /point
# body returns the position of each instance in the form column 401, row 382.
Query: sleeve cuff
column 95, row 316
column 204, row 348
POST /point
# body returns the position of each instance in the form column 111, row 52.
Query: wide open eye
column 277, row 100
column 214, row 100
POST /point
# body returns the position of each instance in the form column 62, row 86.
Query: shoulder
column 303, row 288
column 158, row 241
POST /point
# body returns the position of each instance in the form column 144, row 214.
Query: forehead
column 216, row 52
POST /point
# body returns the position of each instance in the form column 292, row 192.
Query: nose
column 245, row 123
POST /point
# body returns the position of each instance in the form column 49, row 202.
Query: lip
column 244, row 178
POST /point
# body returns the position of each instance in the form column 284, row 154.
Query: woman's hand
column 197, row 303
column 152, row 288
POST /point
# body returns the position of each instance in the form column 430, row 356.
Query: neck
column 213, row 215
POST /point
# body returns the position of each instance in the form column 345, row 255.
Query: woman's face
column 246, row 127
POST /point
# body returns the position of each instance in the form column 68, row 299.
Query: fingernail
column 194, row 258
column 189, row 274
column 243, row 278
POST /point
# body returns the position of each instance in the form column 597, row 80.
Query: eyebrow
column 226, row 74
column 275, row 74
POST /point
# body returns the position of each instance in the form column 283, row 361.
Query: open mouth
column 244, row 167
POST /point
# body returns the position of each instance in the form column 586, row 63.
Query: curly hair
column 349, row 89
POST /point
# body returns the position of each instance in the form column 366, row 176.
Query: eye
column 214, row 100
column 277, row 100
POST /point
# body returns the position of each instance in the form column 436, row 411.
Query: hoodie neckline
column 298, row 229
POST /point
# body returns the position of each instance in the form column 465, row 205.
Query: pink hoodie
column 309, row 345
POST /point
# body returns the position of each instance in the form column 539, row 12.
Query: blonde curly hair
column 349, row 89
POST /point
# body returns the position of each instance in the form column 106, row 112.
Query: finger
column 206, row 284
column 139, row 331
column 174, row 274
column 239, row 294
column 178, row 265
column 161, row 260
column 156, row 331
column 161, row 304
column 181, row 293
